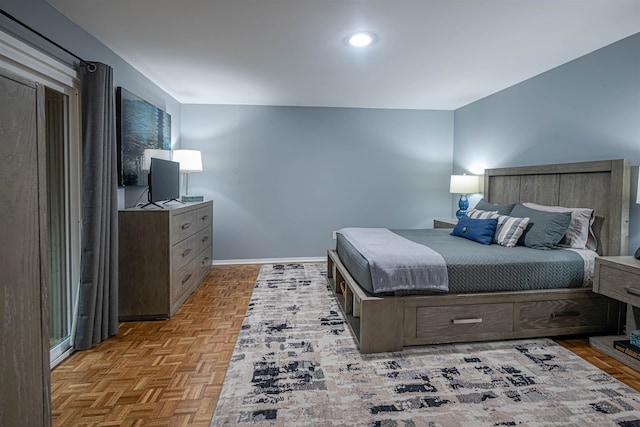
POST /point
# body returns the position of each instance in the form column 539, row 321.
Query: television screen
column 164, row 180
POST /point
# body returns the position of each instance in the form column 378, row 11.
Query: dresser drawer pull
column 632, row 291
column 186, row 278
column 204, row 239
column 466, row 321
column 204, row 261
column 205, row 217
column 186, row 226
column 185, row 253
column 569, row 313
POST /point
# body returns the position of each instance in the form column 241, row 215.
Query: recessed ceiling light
column 361, row 39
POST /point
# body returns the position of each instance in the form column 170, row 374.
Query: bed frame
column 381, row 324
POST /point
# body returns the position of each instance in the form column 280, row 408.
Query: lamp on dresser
column 464, row 185
column 190, row 161
column 156, row 153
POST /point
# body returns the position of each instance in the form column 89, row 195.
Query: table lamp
column 148, row 153
column 190, row 161
column 463, row 185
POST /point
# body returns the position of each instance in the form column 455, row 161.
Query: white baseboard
column 268, row 261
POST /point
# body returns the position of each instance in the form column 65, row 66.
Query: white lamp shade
column 155, row 153
column 464, row 184
column 190, row 160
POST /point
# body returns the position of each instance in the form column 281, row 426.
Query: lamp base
column 189, row 198
column 463, row 204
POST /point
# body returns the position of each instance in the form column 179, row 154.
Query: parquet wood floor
column 618, row 370
column 159, row 373
column 170, row 372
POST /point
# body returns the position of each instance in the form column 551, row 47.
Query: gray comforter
column 474, row 268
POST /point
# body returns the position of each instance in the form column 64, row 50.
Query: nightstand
column 445, row 223
column 618, row 277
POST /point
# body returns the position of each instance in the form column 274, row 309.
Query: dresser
column 164, row 255
column 618, row 277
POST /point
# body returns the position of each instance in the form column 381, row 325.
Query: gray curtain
column 97, row 316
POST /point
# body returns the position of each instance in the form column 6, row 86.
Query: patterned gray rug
column 296, row 364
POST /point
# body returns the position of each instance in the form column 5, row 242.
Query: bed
column 382, row 323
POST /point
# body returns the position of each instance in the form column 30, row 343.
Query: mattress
column 476, row 268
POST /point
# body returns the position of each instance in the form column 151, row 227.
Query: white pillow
column 579, row 235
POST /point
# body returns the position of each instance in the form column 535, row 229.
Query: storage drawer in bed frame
column 382, row 324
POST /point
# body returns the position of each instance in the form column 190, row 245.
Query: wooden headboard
column 600, row 185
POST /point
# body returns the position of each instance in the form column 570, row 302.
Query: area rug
column 296, row 363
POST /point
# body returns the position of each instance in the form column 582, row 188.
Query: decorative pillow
column 478, row 214
column 483, row 205
column 478, row 230
column 545, row 229
column 579, row 234
column 509, row 230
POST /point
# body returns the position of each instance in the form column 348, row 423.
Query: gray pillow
column 483, row 205
column 579, row 235
column 545, row 229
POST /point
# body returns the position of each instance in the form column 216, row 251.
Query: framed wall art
column 141, row 128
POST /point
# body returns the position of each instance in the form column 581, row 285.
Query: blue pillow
column 478, row 230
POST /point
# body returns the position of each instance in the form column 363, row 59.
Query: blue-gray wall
column 283, row 178
column 587, row 109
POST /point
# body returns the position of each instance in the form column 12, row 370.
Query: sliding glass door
column 61, row 129
column 59, row 292
column 63, row 231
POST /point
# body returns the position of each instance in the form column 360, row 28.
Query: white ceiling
column 431, row 54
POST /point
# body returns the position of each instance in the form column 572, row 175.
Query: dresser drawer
column 183, row 280
column 204, row 239
column 572, row 313
column 204, row 217
column 203, row 263
column 619, row 284
column 183, row 252
column 183, row 225
column 464, row 319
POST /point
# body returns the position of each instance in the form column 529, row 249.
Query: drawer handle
column 204, row 261
column 466, row 321
column 185, row 253
column 186, row 226
column 569, row 313
column 186, row 278
column 205, row 217
column 632, row 291
column 205, row 238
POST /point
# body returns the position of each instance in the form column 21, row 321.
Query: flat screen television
column 164, row 181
